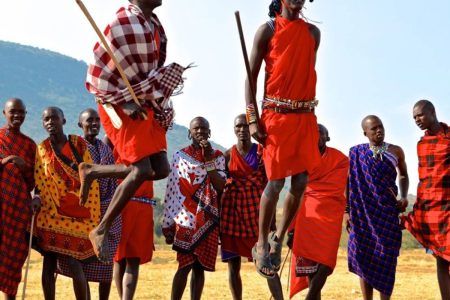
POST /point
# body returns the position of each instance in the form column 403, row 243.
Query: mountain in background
column 43, row 78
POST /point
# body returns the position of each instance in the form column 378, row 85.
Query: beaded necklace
column 378, row 150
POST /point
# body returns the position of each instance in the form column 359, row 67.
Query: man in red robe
column 17, row 153
column 138, row 41
column 318, row 224
column 428, row 221
column 288, row 128
column 240, row 206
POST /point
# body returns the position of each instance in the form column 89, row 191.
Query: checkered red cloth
column 133, row 40
column 240, row 201
column 15, row 213
column 205, row 253
column 429, row 220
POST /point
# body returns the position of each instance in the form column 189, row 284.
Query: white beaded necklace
column 378, row 150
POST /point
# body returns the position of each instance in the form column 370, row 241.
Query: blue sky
column 376, row 57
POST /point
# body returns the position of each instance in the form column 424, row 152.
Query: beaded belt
column 145, row 200
column 289, row 106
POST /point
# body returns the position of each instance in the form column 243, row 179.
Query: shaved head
column 369, row 118
column 54, row 108
column 198, row 119
column 426, row 105
column 86, row 111
column 14, row 101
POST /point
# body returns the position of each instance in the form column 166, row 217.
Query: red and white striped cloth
column 134, row 42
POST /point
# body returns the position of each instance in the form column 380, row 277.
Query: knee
column 162, row 171
column 274, row 187
column 298, row 184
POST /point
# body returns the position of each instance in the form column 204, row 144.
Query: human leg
column 130, row 278
column 442, row 267
column 98, row 236
column 9, row 297
column 317, row 281
column 160, row 165
column 366, row 289
column 78, row 279
column 268, row 205
column 48, row 279
column 290, row 207
column 292, row 203
column 275, row 287
column 179, row 282
column 197, row 281
column 234, row 277
column 104, row 289
column 118, row 273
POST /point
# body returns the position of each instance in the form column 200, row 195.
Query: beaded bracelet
column 210, row 166
column 250, row 113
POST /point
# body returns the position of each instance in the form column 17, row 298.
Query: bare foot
column 84, row 171
column 99, row 241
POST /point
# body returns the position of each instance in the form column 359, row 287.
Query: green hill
column 43, row 78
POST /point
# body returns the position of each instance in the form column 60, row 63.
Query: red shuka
column 318, row 223
column 291, row 145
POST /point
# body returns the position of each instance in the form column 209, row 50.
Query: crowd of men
column 92, row 199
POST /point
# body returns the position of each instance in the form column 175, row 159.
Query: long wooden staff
column 247, row 66
column 111, row 54
column 28, row 257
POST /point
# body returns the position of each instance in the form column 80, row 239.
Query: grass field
column 416, row 279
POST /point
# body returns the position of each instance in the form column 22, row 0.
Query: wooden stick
column 247, row 65
column 111, row 54
column 28, row 257
column 282, row 267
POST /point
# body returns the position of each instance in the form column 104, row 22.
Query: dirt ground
column 416, row 279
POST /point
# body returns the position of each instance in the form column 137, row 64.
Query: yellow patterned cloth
column 62, row 224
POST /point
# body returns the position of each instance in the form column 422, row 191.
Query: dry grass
column 416, row 279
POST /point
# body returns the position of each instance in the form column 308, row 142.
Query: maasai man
column 191, row 208
column 63, row 225
column 428, row 221
column 288, row 128
column 375, row 233
column 17, row 153
column 318, row 225
column 137, row 38
column 240, row 206
column 89, row 122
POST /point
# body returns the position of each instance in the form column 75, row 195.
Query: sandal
column 275, row 251
column 263, row 261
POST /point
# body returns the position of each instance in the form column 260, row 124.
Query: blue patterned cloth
column 375, row 236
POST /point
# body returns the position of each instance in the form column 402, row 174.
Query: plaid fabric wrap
column 375, row 235
column 132, row 40
column 429, row 220
column 97, row 271
column 15, row 213
column 240, row 204
column 191, row 204
column 205, row 253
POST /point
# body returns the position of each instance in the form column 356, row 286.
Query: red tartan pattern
column 133, row 42
column 205, row 253
column 429, row 220
column 240, row 204
column 15, row 213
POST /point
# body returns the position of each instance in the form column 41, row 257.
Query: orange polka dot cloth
column 62, row 224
